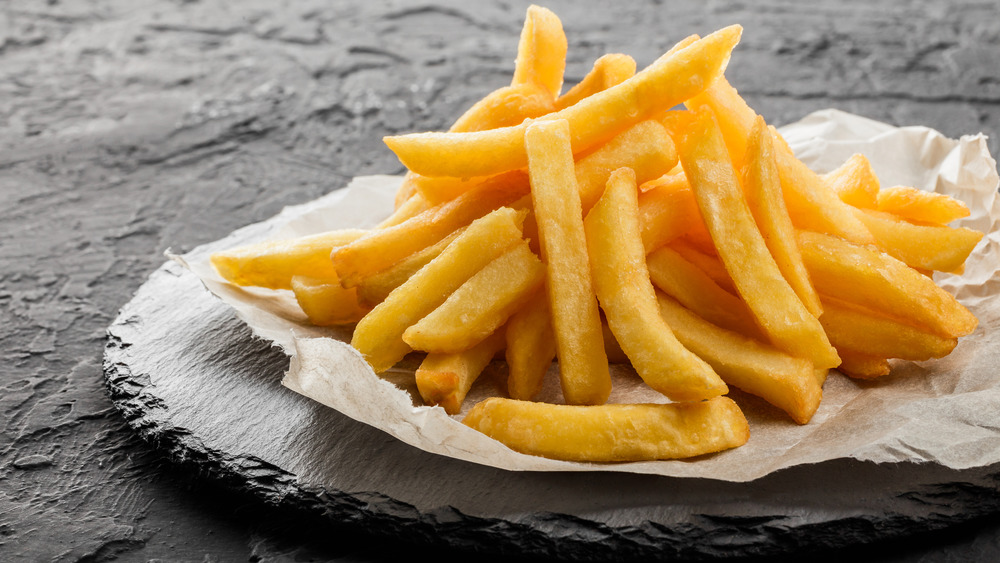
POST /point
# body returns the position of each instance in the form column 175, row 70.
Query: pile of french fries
column 601, row 225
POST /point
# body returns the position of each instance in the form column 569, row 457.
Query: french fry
column 621, row 280
column 593, row 120
column 762, row 187
column 326, row 302
column 925, row 247
column 483, row 303
column 504, row 107
column 583, row 365
column 878, row 282
column 920, row 206
column 612, row 432
column 531, row 347
column 875, row 335
column 414, row 205
column 708, row 263
column 667, row 212
column 375, row 288
column 444, row 379
column 862, row 366
column 786, row 382
column 379, row 335
column 541, row 51
column 609, row 70
column 778, row 310
column 272, row 264
column 855, row 182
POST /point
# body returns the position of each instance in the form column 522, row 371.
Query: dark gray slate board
column 190, row 377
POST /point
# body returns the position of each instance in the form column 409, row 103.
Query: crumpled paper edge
column 334, row 374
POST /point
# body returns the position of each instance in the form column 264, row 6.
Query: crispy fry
column 414, row 205
column 593, row 120
column 379, row 336
column 608, row 71
column 667, row 212
column 541, row 51
column 375, row 288
column 862, row 366
column 618, row 265
column 612, row 432
column 531, row 347
column 504, row 107
column 920, row 206
column 869, row 333
column 444, row 379
column 583, row 365
column 925, row 247
column 855, row 182
column 326, row 302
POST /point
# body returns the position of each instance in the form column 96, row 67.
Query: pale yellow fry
column 593, row 120
column 445, row 379
column 786, row 382
column 379, row 336
column 375, row 288
column 921, row 206
column 873, row 334
column 874, row 280
column 504, row 107
column 531, row 347
column 762, row 187
column 608, row 71
column 618, row 432
column 621, row 280
column 272, row 264
column 855, row 182
column 926, row 247
column 787, row 322
column 541, row 51
column 326, row 302
column 483, row 303
column 583, row 365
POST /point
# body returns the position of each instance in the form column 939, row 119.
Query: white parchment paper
column 945, row 411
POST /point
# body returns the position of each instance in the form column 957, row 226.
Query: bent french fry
column 621, row 280
column 778, row 310
column 608, row 71
column 855, row 182
column 444, row 379
column 326, row 302
column 612, row 432
column 272, row 264
column 872, row 334
column 541, row 51
column 762, row 187
column 531, row 347
column 786, row 382
column 583, row 365
column 483, row 303
column 379, row 336
column 921, row 206
column 593, row 120
column 876, row 281
column 925, row 247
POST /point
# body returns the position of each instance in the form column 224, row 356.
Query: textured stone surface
column 131, row 126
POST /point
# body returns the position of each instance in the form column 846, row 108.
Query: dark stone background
column 131, row 126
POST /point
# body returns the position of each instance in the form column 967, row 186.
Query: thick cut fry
column 379, row 336
column 708, row 263
column 483, row 303
column 612, row 432
column 674, row 275
column 862, row 366
column 762, row 187
column 445, row 379
column 414, row 205
column 583, row 365
column 272, row 264
column 382, row 248
column 504, row 107
column 784, row 381
column 925, row 247
column 326, row 302
column 375, row 288
column 872, row 334
column 855, row 182
column 621, row 280
column 778, row 310
column 878, row 282
column 667, row 212
column 609, row 70
column 531, row 347
column 541, row 52
column 917, row 205
column 593, row 120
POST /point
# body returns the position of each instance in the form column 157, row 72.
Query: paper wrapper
column 942, row 411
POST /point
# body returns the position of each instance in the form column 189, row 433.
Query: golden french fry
column 786, row 382
column 379, row 336
column 862, row 366
column 444, row 379
column 272, row 264
column 708, row 263
column 593, row 120
column 405, row 191
column 762, row 187
column 375, row 288
column 875, row 335
column 483, row 303
column 921, row 206
column 583, row 365
column 668, row 211
column 925, row 247
column 504, row 107
column 878, row 282
column 612, row 432
column 326, row 302
column 414, row 205
column 621, row 280
column 531, row 346
column 541, row 51
column 382, row 248
column 608, row 71
column 855, row 182
column 778, row 310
